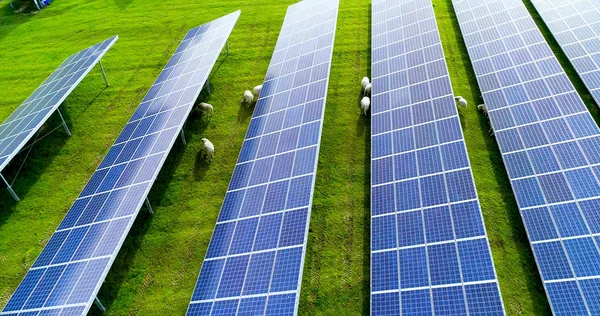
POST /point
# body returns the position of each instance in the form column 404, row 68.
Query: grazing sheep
column 365, row 81
column 248, row 98
column 257, row 90
column 461, row 101
column 368, row 90
column 208, row 151
column 482, row 108
column 365, row 104
column 204, row 109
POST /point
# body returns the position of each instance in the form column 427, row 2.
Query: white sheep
column 483, row 109
column 365, row 104
column 257, row 90
column 208, row 151
column 365, row 81
column 461, row 101
column 205, row 109
column 248, row 98
column 368, row 90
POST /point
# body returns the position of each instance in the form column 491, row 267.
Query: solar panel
column 429, row 247
column 576, row 27
column 27, row 119
column 254, row 262
column 549, row 143
column 68, row 273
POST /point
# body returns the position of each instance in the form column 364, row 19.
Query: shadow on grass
column 222, row 57
column 244, row 113
column 42, row 153
column 33, row 165
column 123, row 4
column 9, row 20
column 525, row 258
column 364, row 124
column 80, row 112
column 201, row 167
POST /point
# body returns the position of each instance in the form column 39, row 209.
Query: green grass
column 157, row 267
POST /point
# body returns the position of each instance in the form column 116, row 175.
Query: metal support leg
column 103, row 73
column 99, row 304
column 64, row 123
column 207, row 86
column 149, row 207
column 227, row 47
column 10, row 189
column 183, row 137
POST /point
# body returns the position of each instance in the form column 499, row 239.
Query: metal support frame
column 207, row 86
column 64, row 123
column 183, row 137
column 227, row 47
column 99, row 304
column 10, row 189
column 103, row 73
column 149, row 207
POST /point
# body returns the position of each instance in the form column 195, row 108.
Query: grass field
column 157, row 267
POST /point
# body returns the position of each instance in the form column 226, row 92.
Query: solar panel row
column 67, row 275
column 430, row 253
column 253, row 265
column 576, row 27
column 550, row 145
column 27, row 119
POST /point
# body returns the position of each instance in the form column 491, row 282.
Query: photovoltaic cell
column 254, row 262
column 68, row 273
column 26, row 120
column 429, row 248
column 576, row 27
column 549, row 144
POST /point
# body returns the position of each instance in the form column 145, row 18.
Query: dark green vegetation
column 157, row 267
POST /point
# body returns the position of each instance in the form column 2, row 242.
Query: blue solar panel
column 429, row 248
column 70, row 270
column 549, row 143
column 576, row 27
column 27, row 119
column 254, row 261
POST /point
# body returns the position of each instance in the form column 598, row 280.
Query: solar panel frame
column 396, row 26
column 5, row 160
column 280, row 306
column 579, row 41
column 551, row 207
column 107, row 259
